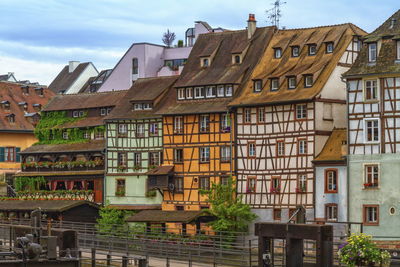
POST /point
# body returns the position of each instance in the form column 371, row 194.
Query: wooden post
column 108, row 259
column 167, row 262
column 93, row 257
column 124, row 261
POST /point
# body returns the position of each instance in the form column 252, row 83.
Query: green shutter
column 17, row 155
column 1, row 154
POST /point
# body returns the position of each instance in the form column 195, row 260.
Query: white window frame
column 277, row 52
column 301, row 109
column 371, row 87
column 333, row 210
column 374, row 214
column 204, row 154
column 210, row 91
column 225, row 122
column 247, row 115
column 308, row 81
column 147, row 106
column 204, row 123
column 274, row 84
column 280, row 148
column 257, row 85
column 198, row 92
column 205, row 62
column 140, row 130
column 225, row 153
column 75, row 113
column 138, row 106
column 228, row 90
column 122, row 129
column 292, row 83
column 365, row 121
column 252, row 150
column 295, row 51
column 220, row 91
column 178, row 125
column 189, row 93
column 181, row 93
column 312, row 50
column 329, row 47
column 103, row 112
column 302, row 147
column 372, row 52
column 153, row 128
column 365, row 174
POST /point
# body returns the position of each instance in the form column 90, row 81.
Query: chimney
column 251, row 26
column 344, row 148
column 73, row 65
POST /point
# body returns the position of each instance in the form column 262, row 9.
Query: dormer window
column 5, row 104
column 103, row 112
column 291, row 82
column 138, row 106
column 398, row 49
column 228, row 90
column 277, row 52
column 37, row 107
column 308, row 80
column 312, row 50
column 181, row 93
column 372, row 52
column 25, row 90
column 220, row 91
column 257, row 85
column 65, row 135
column 199, row 92
column 274, row 84
column 329, row 47
column 39, row 91
column 189, row 93
column 205, row 62
column 236, row 59
column 295, row 51
column 11, row 118
column 210, row 91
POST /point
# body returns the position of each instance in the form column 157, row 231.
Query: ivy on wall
column 29, row 183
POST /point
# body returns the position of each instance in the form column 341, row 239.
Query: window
column 247, row 115
column 251, row 150
column 224, row 180
column 81, row 113
column 331, row 212
column 372, row 53
column 371, row 130
column 371, row 90
column 154, row 158
column 103, row 111
column 140, row 130
column 277, row 214
column 277, row 52
column 398, row 49
column 147, row 106
column 137, row 160
column 295, row 51
column 329, row 47
column 204, row 154
column 220, row 91
column 371, row 214
column 99, row 135
column 178, row 182
column 274, row 84
column 225, row 123
column 86, row 135
column 122, row 130
column 122, row 159
column 308, row 80
column 301, row 111
column 257, row 85
column 179, row 207
column 228, row 90
column 251, row 184
column 236, row 59
column 75, row 113
column 138, row 106
column 205, row 183
column 260, row 115
column 291, row 82
column 280, row 148
column 135, row 66
column 302, row 147
column 178, row 125
column 120, row 188
column 65, row 135
column 225, row 154
column 204, row 123
column 181, row 93
column 371, row 176
column 275, row 185
column 199, row 92
column 312, row 50
column 331, row 182
column 205, row 62
column 109, row 110
column 210, row 91
column 11, row 118
column 9, row 154
column 153, row 129
column 301, row 183
column 178, row 155
column 189, row 93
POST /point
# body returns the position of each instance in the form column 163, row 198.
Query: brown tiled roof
column 332, row 150
column 93, row 145
column 84, row 101
column 65, row 79
column 165, row 216
column 161, row 170
column 96, row 81
column 221, row 46
column 85, row 122
column 320, row 66
column 136, row 207
column 12, row 92
column 44, row 205
column 60, row 173
column 144, row 89
column 386, row 60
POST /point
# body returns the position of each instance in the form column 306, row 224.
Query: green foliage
column 232, row 215
column 112, row 221
column 180, row 43
column 29, row 183
column 359, row 250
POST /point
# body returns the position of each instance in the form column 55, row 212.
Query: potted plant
column 151, row 193
column 275, row 189
column 120, row 193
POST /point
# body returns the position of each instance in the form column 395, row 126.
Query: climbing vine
column 29, row 183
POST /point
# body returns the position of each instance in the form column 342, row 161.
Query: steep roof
column 320, row 65
column 95, row 82
column 386, row 61
column 44, row 205
column 13, row 93
column 65, row 79
column 93, row 145
column 332, row 150
column 220, row 47
column 144, row 89
column 84, row 101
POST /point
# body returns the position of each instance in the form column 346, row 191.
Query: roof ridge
column 317, row 27
column 95, row 93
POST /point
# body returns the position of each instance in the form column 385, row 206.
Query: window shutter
column 2, row 154
column 17, row 155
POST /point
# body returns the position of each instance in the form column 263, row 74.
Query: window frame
column 178, row 157
column 251, row 149
column 219, row 87
column 274, row 84
column 204, row 154
column 251, row 188
column 153, row 131
column 204, row 123
column 200, row 90
column 289, row 78
column 10, row 151
column 374, row 90
column 212, row 89
column 365, row 214
column 257, row 85
column 178, row 125
column 303, row 112
column 329, row 47
column 261, row 115
column 103, row 112
column 397, row 49
column 311, row 51
column 293, row 49
column 155, row 158
column 179, row 184
column 280, row 151
column 135, row 66
column 137, row 160
column 181, row 93
column 117, row 187
column 122, row 159
column 247, row 114
column 278, row 52
column 305, row 147
column 373, row 134
column 225, row 126
column 122, row 130
column 301, row 184
column 335, row 209
column 372, row 53
column 228, row 90
column 327, row 181
column 275, row 212
column 228, row 154
column 189, row 93
column 273, row 187
column 367, row 184
column 204, row 182
column 307, row 83
column 142, row 132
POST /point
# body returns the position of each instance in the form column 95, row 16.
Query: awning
column 54, row 205
column 161, row 170
column 162, row 216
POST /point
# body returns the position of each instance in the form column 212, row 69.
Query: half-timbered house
column 70, row 152
column 198, row 128
column 134, row 145
column 285, row 113
column 373, row 85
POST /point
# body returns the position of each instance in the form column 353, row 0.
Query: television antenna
column 274, row 14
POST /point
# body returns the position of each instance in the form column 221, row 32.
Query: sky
column 37, row 38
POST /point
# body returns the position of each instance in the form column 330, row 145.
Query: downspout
column 348, row 152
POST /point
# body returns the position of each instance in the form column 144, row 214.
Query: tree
column 168, row 38
column 111, row 221
column 231, row 213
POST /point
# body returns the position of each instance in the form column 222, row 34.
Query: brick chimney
column 72, row 65
column 251, row 26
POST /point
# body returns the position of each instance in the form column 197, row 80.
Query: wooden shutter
column 17, row 155
column 2, row 158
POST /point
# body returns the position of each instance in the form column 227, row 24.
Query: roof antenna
column 274, row 14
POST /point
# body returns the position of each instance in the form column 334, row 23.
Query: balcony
column 160, row 178
column 48, row 166
column 88, row 195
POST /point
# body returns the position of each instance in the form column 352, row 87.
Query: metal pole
column 250, row 259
